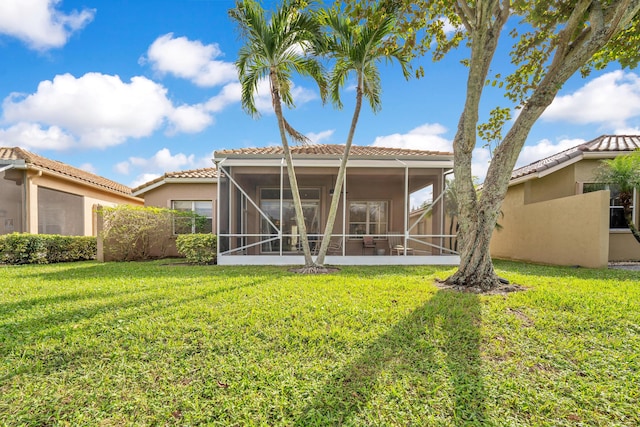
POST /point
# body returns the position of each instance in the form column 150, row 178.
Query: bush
column 197, row 248
column 23, row 248
column 69, row 248
column 134, row 233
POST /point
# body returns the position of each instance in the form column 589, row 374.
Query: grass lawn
column 160, row 344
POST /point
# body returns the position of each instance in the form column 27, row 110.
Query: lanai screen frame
column 227, row 252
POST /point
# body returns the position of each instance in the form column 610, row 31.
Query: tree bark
column 476, row 269
column 293, row 182
column 478, row 218
column 335, row 199
column 628, row 216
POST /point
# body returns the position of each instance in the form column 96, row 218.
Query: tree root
column 314, row 269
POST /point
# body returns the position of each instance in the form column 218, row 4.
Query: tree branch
column 466, row 14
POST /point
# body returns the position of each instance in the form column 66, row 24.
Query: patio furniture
column 368, row 243
column 335, row 246
column 396, row 245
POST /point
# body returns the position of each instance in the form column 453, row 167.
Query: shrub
column 23, row 248
column 134, row 233
column 69, row 248
column 197, row 248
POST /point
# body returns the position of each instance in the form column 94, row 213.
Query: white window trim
column 193, row 210
column 358, row 238
column 634, row 205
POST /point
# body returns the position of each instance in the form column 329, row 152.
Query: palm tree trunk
column 335, row 199
column 628, row 216
column 293, row 182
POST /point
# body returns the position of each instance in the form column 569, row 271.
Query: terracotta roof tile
column 39, row 162
column 328, row 150
column 203, row 173
column 194, row 173
column 602, row 144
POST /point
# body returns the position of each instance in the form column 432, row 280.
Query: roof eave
column 170, row 180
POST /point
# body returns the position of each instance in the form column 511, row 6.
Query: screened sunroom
column 374, row 223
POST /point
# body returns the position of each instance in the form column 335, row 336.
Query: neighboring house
column 190, row 191
column 256, row 218
column 44, row 196
column 555, row 213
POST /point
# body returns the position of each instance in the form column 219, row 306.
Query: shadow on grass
column 61, row 324
column 136, row 270
column 433, row 354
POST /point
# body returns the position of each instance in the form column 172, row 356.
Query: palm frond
column 295, row 135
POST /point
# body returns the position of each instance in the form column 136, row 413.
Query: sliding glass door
column 270, row 205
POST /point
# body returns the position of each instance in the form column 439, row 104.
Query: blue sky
column 132, row 89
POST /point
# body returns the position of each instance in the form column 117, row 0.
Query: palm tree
column 276, row 47
column 357, row 48
column 623, row 172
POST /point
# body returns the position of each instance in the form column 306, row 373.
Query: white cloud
column 317, row 138
column 610, row 100
column 229, row 94
column 627, row 131
column 98, row 110
column 480, row 158
column 544, row 149
column 143, row 178
column 190, row 60
column 88, row 167
column 424, row 137
column 39, row 24
column 189, row 119
column 147, row 169
column 32, row 136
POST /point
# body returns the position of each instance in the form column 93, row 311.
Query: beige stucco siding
column 566, row 231
column 163, row 195
column 91, row 196
column 559, row 184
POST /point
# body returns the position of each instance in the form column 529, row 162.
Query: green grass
column 156, row 344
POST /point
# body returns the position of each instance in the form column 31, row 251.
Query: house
column 43, row 196
column 554, row 213
column 191, row 191
column 256, row 218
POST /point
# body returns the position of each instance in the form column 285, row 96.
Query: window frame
column 634, row 211
column 367, row 222
column 193, row 210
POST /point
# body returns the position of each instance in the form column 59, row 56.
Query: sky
column 131, row 89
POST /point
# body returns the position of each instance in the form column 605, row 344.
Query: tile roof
column 203, row 173
column 602, row 144
column 42, row 163
column 329, row 150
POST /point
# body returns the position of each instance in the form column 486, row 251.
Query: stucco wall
column 567, row 231
column 91, row 196
column 559, row 184
column 163, row 195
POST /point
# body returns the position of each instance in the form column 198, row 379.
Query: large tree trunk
column 628, row 216
column 335, row 199
column 478, row 217
column 476, row 269
column 293, row 182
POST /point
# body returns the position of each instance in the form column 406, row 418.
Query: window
column 368, row 218
column 270, row 205
column 616, row 212
column 198, row 216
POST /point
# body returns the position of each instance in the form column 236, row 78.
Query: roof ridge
column 603, row 143
column 66, row 169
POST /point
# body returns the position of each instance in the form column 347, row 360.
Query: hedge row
column 198, row 248
column 23, row 248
